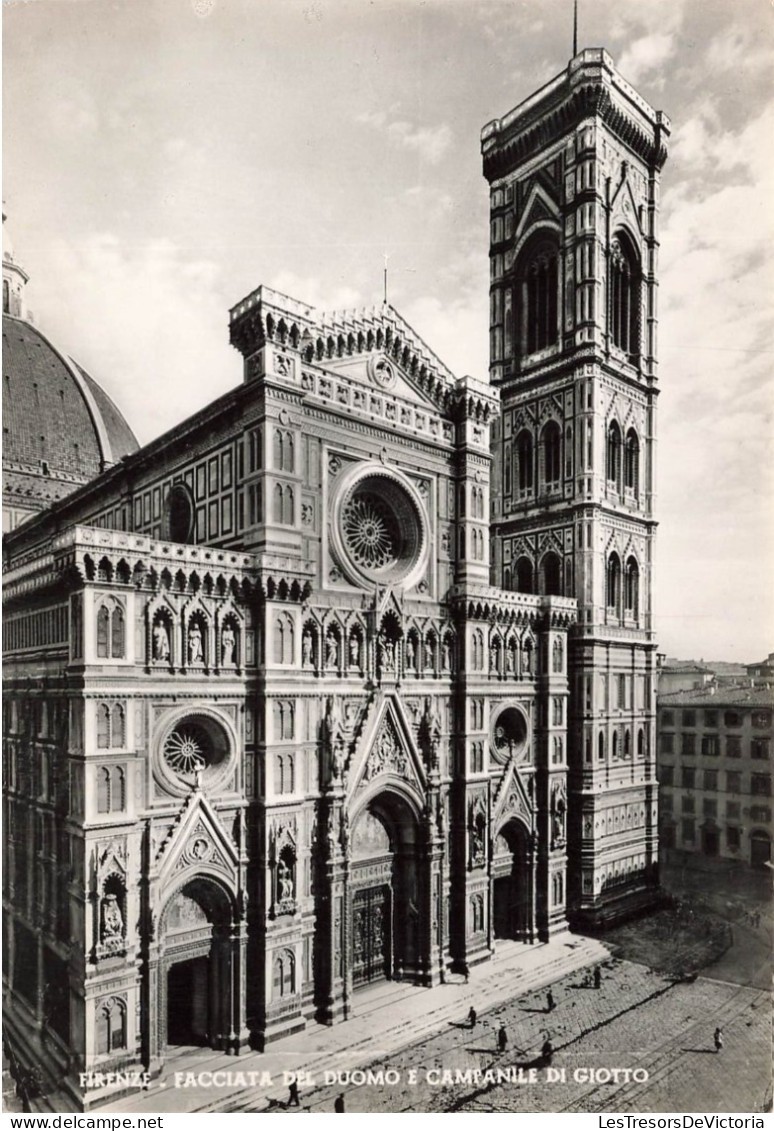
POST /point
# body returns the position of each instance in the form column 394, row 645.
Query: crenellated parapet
column 591, row 87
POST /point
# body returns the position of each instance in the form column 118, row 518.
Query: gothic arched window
column 111, row 1027
column 552, row 575
column 524, row 457
column 103, row 633
column 524, row 582
column 624, row 298
column 614, row 454
column 632, row 462
column 103, row 726
column 277, row 496
column 551, row 440
column 538, row 292
column 613, row 581
column 632, row 588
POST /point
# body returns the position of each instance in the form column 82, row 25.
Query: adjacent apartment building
column 714, row 755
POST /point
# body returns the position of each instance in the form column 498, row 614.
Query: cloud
column 646, row 56
column 168, row 354
column 432, row 142
column 717, row 405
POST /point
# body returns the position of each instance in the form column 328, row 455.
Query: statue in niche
column 493, row 658
column 354, row 650
column 527, row 659
column 477, row 839
column 228, row 644
column 557, row 820
column 332, row 651
column 446, row 656
column 432, row 728
column 160, row 641
column 195, row 644
column 411, row 654
column 387, row 654
column 306, row 649
column 112, row 919
column 511, row 661
column 284, row 882
column 334, row 725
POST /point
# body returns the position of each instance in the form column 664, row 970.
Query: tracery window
column 613, row 581
column 552, row 453
column 111, row 1027
column 111, row 632
column 111, row 789
column 632, row 462
column 284, row 640
column 624, row 298
column 525, row 460
column 539, row 288
column 552, row 575
column 614, row 454
column 632, row 588
column 524, row 581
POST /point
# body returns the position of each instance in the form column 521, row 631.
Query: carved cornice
column 486, row 603
column 589, row 88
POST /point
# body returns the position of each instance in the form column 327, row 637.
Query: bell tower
column 574, row 193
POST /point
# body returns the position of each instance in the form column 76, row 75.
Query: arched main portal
column 513, row 894
column 385, row 892
column 196, row 977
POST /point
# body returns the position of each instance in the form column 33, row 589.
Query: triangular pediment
column 377, row 348
column 512, row 800
column 625, row 206
column 539, row 208
column 198, row 841
column 387, row 749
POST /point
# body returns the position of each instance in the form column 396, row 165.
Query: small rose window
column 195, row 746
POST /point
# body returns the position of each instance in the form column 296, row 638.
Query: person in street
column 718, row 1039
column 293, row 1095
column 550, row 1003
column 547, row 1051
column 472, row 1017
column 597, row 977
column 338, row 1105
column 502, row 1038
column 466, row 972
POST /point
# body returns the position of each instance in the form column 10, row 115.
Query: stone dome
column 60, row 428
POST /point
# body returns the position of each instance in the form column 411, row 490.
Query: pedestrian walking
column 338, row 1104
column 550, row 1003
column 293, row 1095
column 718, row 1039
column 502, row 1038
column 472, row 1017
column 547, row 1051
column 466, row 972
column 597, row 977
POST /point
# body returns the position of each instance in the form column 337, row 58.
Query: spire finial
column 386, row 257
column 575, row 28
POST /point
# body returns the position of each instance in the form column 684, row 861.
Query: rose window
column 370, row 531
column 195, row 745
column 379, row 531
column 510, row 733
column 184, row 751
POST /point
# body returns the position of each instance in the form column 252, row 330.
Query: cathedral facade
column 307, row 693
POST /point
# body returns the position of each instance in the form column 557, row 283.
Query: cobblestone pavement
column 636, row 1020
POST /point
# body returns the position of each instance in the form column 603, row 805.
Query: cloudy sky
column 164, row 157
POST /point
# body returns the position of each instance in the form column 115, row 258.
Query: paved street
column 638, row 1020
